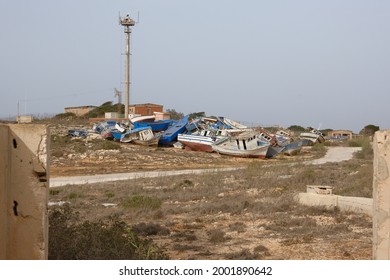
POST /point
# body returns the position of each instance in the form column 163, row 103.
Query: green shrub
column 354, row 143
column 359, row 142
column 238, row 226
column 54, row 192
column 216, row 236
column 105, row 107
column 317, row 147
column 367, row 151
column 148, row 229
column 74, row 195
column 100, row 144
column 140, row 201
column 58, row 141
column 80, row 147
column 70, row 239
column 109, row 194
column 185, row 184
column 243, row 254
column 65, row 116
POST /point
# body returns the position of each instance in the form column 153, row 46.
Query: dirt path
column 78, row 180
column 334, row 154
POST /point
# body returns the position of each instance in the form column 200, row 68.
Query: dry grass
column 245, row 214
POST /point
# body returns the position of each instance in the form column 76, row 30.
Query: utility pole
column 127, row 22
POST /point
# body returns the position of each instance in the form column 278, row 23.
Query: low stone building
column 162, row 116
column 340, row 134
column 146, row 109
column 24, row 119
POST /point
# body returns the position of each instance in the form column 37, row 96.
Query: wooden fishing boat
column 228, row 123
column 156, row 126
column 199, row 141
column 142, row 118
column 265, row 137
column 170, row 135
column 293, row 148
column 314, row 136
column 146, row 137
column 245, row 144
column 134, row 134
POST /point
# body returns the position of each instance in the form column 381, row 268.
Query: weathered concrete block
column 344, row 203
column 319, row 189
column 381, row 194
column 313, row 199
column 23, row 191
column 355, row 204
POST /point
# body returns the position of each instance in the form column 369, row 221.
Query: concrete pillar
column 23, row 191
column 381, row 195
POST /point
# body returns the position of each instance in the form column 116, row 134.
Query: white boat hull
column 197, row 142
column 240, row 147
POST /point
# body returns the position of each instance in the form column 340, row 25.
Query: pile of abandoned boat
column 220, row 135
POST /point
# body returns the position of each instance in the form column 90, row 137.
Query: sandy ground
column 246, row 231
column 334, row 154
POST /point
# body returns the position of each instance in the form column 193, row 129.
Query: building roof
column 340, row 131
column 146, row 104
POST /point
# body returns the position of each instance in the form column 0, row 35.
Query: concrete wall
column 111, row 115
column 381, row 194
column 23, row 191
column 344, row 203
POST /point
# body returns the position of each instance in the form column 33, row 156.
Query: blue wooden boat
column 170, row 135
column 77, row 133
column 99, row 127
column 156, row 126
column 116, row 134
column 293, row 148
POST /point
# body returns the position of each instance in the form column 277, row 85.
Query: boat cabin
column 245, row 139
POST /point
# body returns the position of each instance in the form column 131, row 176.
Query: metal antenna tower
column 127, row 22
column 119, row 94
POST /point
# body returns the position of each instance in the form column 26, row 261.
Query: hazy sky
column 306, row 62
